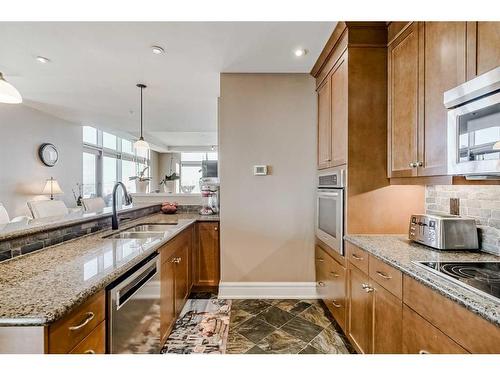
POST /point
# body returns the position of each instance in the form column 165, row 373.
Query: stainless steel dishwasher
column 134, row 310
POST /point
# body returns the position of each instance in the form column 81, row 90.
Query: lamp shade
column 8, row 93
column 141, row 144
column 52, row 188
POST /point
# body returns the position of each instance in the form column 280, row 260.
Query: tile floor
column 284, row 327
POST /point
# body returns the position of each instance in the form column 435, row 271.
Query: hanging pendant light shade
column 8, row 93
column 141, row 144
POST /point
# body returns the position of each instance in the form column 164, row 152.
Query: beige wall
column 22, row 174
column 267, row 222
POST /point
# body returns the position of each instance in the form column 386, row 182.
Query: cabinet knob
column 420, row 163
column 320, row 260
column 321, row 283
column 413, row 164
column 334, row 274
column 90, row 351
column 216, row 228
column 335, row 304
column 367, row 288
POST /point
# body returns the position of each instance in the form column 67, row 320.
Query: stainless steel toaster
column 444, row 232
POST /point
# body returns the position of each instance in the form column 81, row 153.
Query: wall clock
column 48, row 154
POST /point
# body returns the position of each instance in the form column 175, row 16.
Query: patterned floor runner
column 202, row 327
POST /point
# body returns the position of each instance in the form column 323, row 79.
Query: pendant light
column 8, row 93
column 141, row 144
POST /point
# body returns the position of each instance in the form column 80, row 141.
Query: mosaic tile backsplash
column 479, row 202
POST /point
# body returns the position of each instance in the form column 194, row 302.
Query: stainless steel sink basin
column 133, row 235
column 151, row 228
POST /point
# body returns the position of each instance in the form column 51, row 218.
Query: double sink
column 141, row 231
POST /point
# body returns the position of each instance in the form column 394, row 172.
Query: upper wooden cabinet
column 483, row 51
column 332, row 116
column 424, row 60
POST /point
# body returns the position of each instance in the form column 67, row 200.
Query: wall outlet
column 260, row 170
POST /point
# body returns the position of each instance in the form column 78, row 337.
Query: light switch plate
column 260, row 170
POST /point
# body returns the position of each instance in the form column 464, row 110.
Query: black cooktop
column 483, row 276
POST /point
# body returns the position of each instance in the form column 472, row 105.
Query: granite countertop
column 22, row 228
column 401, row 253
column 41, row 287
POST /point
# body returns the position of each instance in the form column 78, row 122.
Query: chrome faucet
column 128, row 200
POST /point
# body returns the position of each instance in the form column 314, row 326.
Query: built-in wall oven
column 474, row 127
column 330, row 208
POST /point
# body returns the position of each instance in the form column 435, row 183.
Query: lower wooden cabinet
column 181, row 277
column 167, row 294
column 387, row 321
column 360, row 320
column 206, row 271
column 94, row 343
column 421, row 337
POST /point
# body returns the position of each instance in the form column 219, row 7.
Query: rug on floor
column 202, row 327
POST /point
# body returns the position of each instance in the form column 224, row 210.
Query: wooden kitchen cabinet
column 181, row 262
column 483, row 52
column 360, row 311
column 206, row 271
column 332, row 116
column 403, row 103
column 94, row 343
column 331, row 285
column 324, row 126
column 387, row 321
column 167, row 294
column 421, row 337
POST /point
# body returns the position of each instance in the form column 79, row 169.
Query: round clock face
column 48, row 154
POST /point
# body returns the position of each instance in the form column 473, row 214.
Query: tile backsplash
column 479, row 202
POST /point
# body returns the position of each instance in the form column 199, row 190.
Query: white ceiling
column 95, row 66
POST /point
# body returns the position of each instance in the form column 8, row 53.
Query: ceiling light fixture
column 8, row 93
column 42, row 60
column 299, row 52
column 141, row 144
column 157, row 50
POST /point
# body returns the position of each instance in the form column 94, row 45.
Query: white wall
column 22, row 174
column 267, row 223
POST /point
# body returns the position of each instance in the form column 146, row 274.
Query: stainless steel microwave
column 474, row 127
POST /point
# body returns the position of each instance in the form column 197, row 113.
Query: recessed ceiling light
column 42, row 60
column 299, row 52
column 157, row 50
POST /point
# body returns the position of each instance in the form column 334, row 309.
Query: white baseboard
column 268, row 290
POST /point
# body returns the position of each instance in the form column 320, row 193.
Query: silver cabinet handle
column 90, row 351
column 90, row 315
column 216, row 228
column 413, row 164
column 384, row 275
column 367, row 288
column 357, row 257
column 422, row 351
column 335, row 304
column 334, row 274
column 321, row 283
column 320, row 260
column 420, row 163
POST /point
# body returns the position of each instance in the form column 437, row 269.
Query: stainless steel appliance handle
column 146, row 273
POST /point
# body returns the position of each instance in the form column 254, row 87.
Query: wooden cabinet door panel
column 324, row 126
column 443, row 56
column 94, row 343
column 207, row 258
column 421, row 337
column 360, row 311
column 167, row 296
column 339, row 109
column 403, row 102
column 181, row 277
column 488, row 46
column 387, row 321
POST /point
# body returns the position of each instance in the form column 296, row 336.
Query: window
column 106, row 160
column 191, row 170
column 89, row 180
column 89, row 135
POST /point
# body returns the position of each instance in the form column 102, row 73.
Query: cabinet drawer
column 331, row 277
column 94, row 343
column 67, row 332
column 421, row 337
column 469, row 330
column 357, row 257
column 386, row 276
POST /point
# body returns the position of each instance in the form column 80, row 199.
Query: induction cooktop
column 480, row 276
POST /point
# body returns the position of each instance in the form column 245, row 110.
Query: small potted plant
column 168, row 182
column 141, row 182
